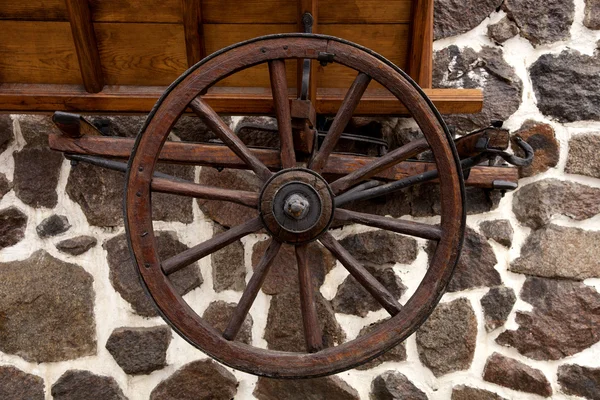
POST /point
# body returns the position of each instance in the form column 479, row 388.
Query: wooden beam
column 308, row 6
column 420, row 55
column 24, row 98
column 215, row 154
column 194, row 35
column 84, row 38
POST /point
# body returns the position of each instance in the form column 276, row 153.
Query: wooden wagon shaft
column 216, row 154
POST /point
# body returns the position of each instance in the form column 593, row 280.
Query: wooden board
column 38, row 52
column 33, row 10
column 141, row 54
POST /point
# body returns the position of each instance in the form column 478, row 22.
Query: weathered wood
column 84, row 38
column 73, row 125
column 362, row 276
column 252, row 289
column 497, row 139
column 222, row 156
column 34, row 10
column 194, row 33
column 282, row 112
column 402, row 153
column 141, row 54
column 204, row 249
column 341, row 120
column 312, row 331
column 161, row 11
column 405, row 227
column 191, row 189
column 220, row 128
column 238, row 101
column 420, row 61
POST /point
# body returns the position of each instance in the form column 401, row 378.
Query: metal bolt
column 296, row 206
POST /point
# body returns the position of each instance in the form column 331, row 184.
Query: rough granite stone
column 579, row 381
column 99, row 192
column 515, row 375
column 583, row 155
column 462, row 392
column 392, row 385
column 36, row 176
column 395, row 354
column 192, row 129
column 228, row 266
column 502, row 30
column 46, row 309
column 218, row 315
column 5, row 185
column 487, row 70
column 139, row 351
column 52, row 226
column 381, row 247
column 452, row 17
column 475, row 267
column 352, row 298
column 125, row 280
column 446, row 341
column 12, row 226
column 83, row 385
column 497, row 304
column 499, row 230
column 6, row 131
column 119, row 125
column 542, row 23
column 18, row 385
column 566, row 85
column 592, row 14
column 546, row 148
column 252, row 131
column 226, row 213
column 330, row 388
column 283, row 275
column 560, row 252
column 284, row 330
column 564, row 320
column 77, row 245
column 36, row 128
column 198, row 380
column 536, row 204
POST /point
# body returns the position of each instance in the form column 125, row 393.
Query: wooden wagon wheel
column 291, row 219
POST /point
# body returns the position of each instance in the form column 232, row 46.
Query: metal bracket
column 325, row 58
column 307, row 21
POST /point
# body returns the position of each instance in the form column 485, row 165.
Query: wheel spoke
column 191, row 189
column 254, row 285
column 382, row 163
column 312, row 331
column 203, row 249
column 362, row 276
column 411, row 228
column 220, row 128
column 341, row 120
column 282, row 111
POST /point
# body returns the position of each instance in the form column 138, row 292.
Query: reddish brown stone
column 395, row 354
column 330, row 388
column 381, row 247
column 580, row 381
column 497, row 305
column 564, row 320
column 392, row 385
column 515, row 375
column 18, row 385
column 583, row 153
column 219, row 313
column 468, row 393
column 139, row 351
column 228, row 265
column 542, row 139
column 12, row 226
column 83, row 385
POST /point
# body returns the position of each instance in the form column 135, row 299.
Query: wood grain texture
column 84, row 38
column 284, row 12
column 238, row 101
column 163, row 11
column 194, row 33
column 141, row 54
column 38, row 52
column 420, row 62
column 282, row 112
column 312, row 331
column 33, row 10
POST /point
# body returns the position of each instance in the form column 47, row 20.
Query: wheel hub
column 296, row 205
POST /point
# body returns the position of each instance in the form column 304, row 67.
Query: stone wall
column 522, row 315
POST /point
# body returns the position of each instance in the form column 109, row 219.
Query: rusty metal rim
column 293, row 365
